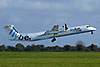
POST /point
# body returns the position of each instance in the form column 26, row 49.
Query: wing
column 55, row 28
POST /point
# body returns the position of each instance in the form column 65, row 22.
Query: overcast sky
column 40, row 15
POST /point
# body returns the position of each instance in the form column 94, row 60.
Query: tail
column 12, row 32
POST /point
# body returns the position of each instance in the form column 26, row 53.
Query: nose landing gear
column 91, row 32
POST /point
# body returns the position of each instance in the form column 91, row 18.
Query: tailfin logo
column 14, row 34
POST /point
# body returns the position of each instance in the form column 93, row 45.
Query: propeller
column 66, row 27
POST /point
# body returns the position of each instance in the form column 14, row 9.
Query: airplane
column 55, row 32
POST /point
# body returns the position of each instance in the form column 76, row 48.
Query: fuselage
column 53, row 34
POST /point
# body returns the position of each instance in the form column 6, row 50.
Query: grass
column 49, row 59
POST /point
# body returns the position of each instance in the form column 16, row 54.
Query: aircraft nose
column 92, row 28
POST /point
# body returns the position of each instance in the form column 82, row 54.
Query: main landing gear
column 53, row 40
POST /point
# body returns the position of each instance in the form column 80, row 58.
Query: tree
column 41, row 47
column 67, row 48
column 38, row 47
column 56, row 48
column 33, row 47
column 20, row 47
column 80, row 43
column 49, row 48
column 80, row 46
column 88, row 49
column 93, row 47
column 28, row 48
column 73, row 48
column 2, row 48
column 11, row 49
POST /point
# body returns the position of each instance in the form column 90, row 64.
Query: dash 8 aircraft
column 55, row 32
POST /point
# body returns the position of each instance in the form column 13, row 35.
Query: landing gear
column 91, row 32
column 54, row 39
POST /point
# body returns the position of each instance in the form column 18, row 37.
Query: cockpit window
column 88, row 26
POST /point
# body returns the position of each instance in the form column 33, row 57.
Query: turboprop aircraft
column 55, row 32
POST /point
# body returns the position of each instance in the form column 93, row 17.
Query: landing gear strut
column 54, row 39
column 91, row 32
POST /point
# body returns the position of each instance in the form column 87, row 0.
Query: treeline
column 80, row 46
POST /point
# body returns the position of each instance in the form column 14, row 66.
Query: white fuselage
column 54, row 34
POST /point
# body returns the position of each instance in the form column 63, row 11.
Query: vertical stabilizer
column 12, row 31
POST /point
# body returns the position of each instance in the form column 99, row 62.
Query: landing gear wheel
column 54, row 39
column 91, row 32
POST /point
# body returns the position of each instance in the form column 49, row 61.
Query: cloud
column 36, row 5
column 3, row 3
column 86, row 5
column 76, row 5
column 20, row 11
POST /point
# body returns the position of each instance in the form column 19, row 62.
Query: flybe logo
column 75, row 30
column 14, row 34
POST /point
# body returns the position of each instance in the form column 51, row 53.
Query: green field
column 49, row 59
